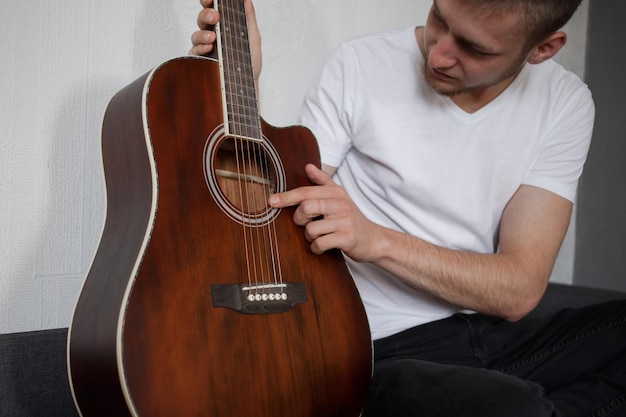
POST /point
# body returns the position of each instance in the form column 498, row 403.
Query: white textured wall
column 60, row 62
column 572, row 57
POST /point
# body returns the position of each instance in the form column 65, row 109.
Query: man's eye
column 475, row 50
column 478, row 52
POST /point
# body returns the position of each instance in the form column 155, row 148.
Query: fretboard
column 240, row 98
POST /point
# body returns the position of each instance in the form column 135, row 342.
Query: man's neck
column 475, row 100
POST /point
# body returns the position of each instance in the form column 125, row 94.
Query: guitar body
column 159, row 328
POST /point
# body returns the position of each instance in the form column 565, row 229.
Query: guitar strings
column 273, row 264
column 243, row 131
column 273, row 260
column 264, row 257
column 227, row 72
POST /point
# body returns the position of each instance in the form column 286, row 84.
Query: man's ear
column 547, row 48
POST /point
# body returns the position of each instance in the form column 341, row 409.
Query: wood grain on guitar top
column 146, row 338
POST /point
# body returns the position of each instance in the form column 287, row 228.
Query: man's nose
column 444, row 53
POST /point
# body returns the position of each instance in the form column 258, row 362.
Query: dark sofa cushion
column 33, row 375
column 560, row 296
column 33, row 365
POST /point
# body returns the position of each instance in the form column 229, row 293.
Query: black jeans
column 569, row 365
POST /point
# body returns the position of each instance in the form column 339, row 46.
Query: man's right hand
column 203, row 40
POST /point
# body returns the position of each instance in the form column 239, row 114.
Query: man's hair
column 541, row 17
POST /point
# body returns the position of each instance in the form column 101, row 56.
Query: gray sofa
column 33, row 376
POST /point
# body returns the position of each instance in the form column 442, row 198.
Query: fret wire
column 247, row 114
column 247, row 81
column 241, row 90
column 244, row 112
column 241, row 69
column 242, row 27
column 245, row 93
column 243, row 121
column 243, row 106
column 247, row 119
column 239, row 127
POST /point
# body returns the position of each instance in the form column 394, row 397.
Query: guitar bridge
column 260, row 298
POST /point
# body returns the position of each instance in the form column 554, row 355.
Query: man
column 454, row 151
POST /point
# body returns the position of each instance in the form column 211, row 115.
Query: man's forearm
column 504, row 285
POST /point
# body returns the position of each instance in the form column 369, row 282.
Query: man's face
column 470, row 51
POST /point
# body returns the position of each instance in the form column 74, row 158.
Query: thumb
column 317, row 176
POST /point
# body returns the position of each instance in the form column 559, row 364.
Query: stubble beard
column 450, row 91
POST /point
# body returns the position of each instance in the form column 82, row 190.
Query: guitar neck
column 239, row 90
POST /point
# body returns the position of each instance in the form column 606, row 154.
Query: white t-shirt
column 413, row 161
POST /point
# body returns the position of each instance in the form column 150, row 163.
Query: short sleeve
column 559, row 164
column 328, row 107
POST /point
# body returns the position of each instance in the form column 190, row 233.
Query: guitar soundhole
column 241, row 174
column 244, row 174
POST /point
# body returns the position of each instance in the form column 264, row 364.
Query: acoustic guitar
column 201, row 299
